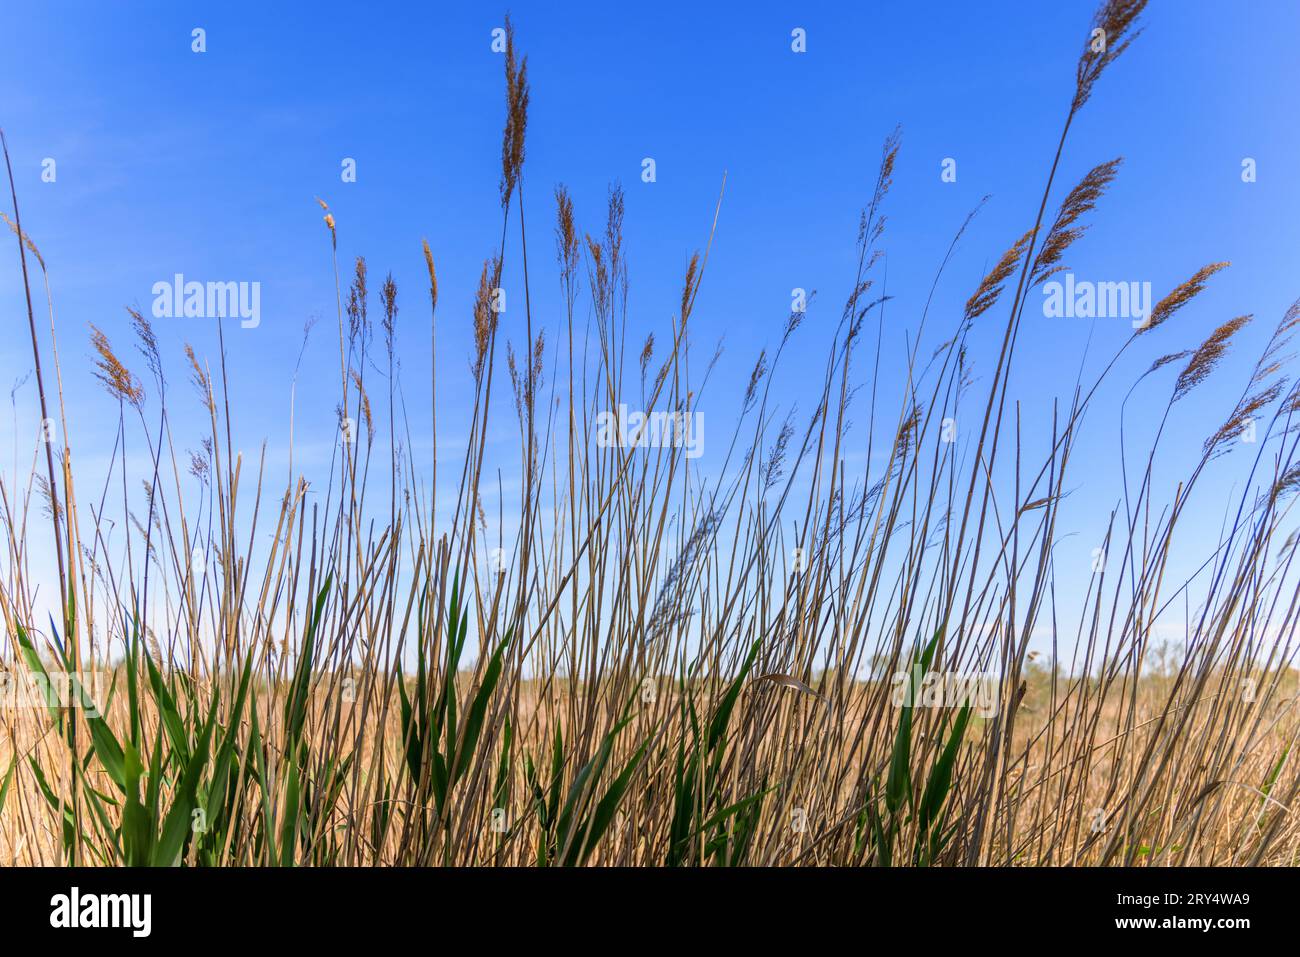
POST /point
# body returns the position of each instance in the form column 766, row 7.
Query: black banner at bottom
column 338, row 907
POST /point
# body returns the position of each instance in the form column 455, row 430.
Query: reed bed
column 664, row 665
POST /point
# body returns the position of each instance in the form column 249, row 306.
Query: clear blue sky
column 209, row 164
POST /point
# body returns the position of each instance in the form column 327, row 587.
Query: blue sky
column 209, row 164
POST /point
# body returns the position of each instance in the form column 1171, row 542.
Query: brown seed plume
column 1286, row 483
column 567, row 245
column 1272, row 359
column 433, row 276
column 614, row 232
column 199, row 467
column 117, row 378
column 647, row 353
column 755, row 377
column 512, row 139
column 27, row 241
column 691, row 284
column 1166, row 359
column 388, row 298
column 358, row 299
column 365, row 405
column 147, row 343
column 199, row 377
column 525, row 388
column 1080, row 200
column 1180, row 296
column 1207, row 356
column 600, row 292
column 52, row 507
column 485, row 317
column 991, row 287
column 1242, row 416
column 1113, row 29
column 870, row 221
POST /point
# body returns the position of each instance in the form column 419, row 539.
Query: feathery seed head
column 1207, row 356
column 1180, row 296
column 1112, row 31
column 1080, row 200
column 433, row 276
column 117, row 378
column 990, row 288
column 512, row 139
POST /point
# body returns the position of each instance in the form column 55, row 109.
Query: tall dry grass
column 670, row 667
